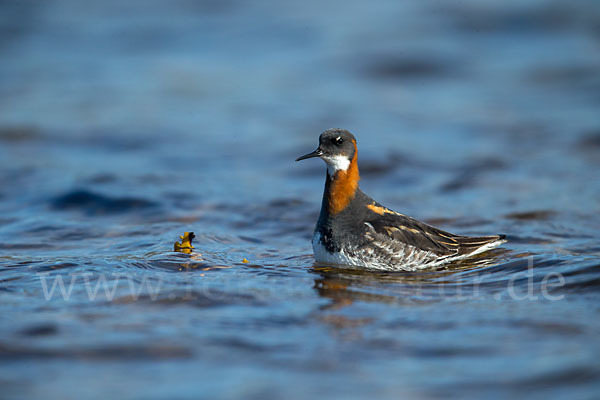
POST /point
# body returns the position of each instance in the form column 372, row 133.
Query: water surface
column 124, row 125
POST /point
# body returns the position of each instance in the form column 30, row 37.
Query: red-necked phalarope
column 354, row 229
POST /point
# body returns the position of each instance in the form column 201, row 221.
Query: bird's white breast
column 324, row 256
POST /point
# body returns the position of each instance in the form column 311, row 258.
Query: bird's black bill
column 316, row 153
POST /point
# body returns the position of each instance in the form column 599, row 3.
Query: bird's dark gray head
column 337, row 147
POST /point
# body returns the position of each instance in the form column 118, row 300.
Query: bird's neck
column 341, row 187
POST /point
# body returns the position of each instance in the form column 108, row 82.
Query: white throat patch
column 336, row 163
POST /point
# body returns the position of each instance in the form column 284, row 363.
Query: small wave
column 94, row 203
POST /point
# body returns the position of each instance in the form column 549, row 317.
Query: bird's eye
column 338, row 140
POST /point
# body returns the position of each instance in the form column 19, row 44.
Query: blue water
column 125, row 124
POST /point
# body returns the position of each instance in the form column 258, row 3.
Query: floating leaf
column 186, row 243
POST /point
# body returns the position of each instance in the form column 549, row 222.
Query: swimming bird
column 353, row 229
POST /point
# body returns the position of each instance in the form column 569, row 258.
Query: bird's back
column 368, row 234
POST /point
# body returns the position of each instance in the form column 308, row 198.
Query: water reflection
column 344, row 285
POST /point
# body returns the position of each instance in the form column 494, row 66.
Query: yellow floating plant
column 186, row 243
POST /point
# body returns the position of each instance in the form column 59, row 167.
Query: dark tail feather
column 470, row 244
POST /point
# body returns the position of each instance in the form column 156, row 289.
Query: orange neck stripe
column 341, row 188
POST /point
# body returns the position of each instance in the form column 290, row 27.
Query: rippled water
column 124, row 124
